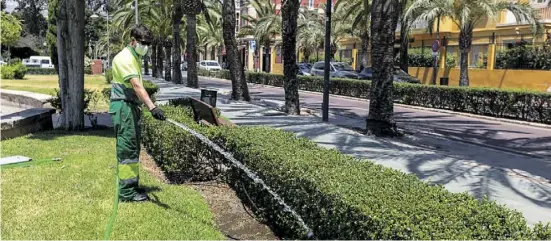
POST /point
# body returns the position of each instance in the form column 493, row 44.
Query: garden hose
column 30, row 163
column 113, row 216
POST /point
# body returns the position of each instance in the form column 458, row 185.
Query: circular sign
column 435, row 45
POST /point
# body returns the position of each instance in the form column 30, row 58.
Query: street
column 532, row 141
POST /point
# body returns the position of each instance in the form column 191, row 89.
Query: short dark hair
column 141, row 33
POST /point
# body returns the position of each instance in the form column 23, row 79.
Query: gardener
column 127, row 94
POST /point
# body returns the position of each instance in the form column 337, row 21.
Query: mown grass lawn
column 73, row 199
column 46, row 84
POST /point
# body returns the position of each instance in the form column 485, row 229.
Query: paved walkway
column 517, row 181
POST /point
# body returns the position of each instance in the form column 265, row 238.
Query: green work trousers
column 127, row 123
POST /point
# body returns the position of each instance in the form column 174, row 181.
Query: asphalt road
column 528, row 140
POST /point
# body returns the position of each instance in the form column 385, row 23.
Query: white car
column 44, row 62
column 210, row 65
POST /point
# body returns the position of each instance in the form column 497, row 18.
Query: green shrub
column 338, row 196
column 88, row 70
column 7, row 72
column 108, row 76
column 419, row 58
column 514, row 104
column 41, row 71
column 14, row 71
column 524, row 57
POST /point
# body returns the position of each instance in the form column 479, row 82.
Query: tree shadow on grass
column 54, row 134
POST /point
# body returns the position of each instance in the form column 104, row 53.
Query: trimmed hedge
column 513, row 104
column 41, row 71
column 338, row 196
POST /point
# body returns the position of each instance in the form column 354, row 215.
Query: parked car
column 304, row 69
column 44, row 62
column 210, row 65
column 400, row 76
column 338, row 69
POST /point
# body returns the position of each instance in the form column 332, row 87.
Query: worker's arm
column 141, row 93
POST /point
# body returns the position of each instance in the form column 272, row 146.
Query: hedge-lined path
column 517, row 181
column 505, row 136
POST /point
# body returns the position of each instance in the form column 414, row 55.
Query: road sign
column 435, row 46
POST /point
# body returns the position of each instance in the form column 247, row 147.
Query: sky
column 11, row 5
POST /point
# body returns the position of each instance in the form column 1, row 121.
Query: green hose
column 113, row 217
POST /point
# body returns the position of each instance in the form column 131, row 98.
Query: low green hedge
column 514, row 104
column 338, row 196
column 41, row 71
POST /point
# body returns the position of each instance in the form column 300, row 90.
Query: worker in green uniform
column 127, row 95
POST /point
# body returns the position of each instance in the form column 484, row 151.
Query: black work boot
column 140, row 197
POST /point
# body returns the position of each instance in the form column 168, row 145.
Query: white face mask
column 141, row 50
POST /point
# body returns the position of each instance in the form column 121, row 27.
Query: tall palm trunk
column 240, row 90
column 177, row 15
column 384, row 18
column 289, row 16
column 160, row 58
column 404, row 41
column 70, row 40
column 192, row 79
column 168, row 65
column 465, row 41
column 146, row 65
column 364, row 36
column 155, row 71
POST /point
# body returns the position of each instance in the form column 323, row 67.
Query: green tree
column 11, row 29
column 265, row 26
column 466, row 14
column 384, row 20
column 358, row 12
column 31, row 12
column 311, row 32
column 51, row 34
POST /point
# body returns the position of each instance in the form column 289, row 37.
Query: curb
column 495, row 119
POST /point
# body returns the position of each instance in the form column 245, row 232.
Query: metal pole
column 325, row 106
column 136, row 12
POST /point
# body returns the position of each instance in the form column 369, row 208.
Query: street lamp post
column 325, row 105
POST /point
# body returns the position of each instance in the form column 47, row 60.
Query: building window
column 478, row 56
column 310, row 3
column 278, row 55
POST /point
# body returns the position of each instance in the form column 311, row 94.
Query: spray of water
column 248, row 172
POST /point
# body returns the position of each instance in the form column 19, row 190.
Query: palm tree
column 359, row 13
column 265, row 26
column 384, row 18
column 177, row 15
column 466, row 14
column 311, row 32
column 240, row 90
column 289, row 9
column 211, row 31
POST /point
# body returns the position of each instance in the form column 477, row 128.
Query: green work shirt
column 126, row 65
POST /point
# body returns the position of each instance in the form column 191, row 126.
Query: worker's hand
column 158, row 114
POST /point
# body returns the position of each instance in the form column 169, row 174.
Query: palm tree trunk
column 404, row 41
column 177, row 53
column 240, row 90
column 146, row 65
column 168, row 65
column 160, row 58
column 384, row 18
column 192, row 79
column 364, row 49
column 155, row 73
column 465, row 41
column 71, row 56
column 289, row 16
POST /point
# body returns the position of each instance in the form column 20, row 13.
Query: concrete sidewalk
column 517, row 181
